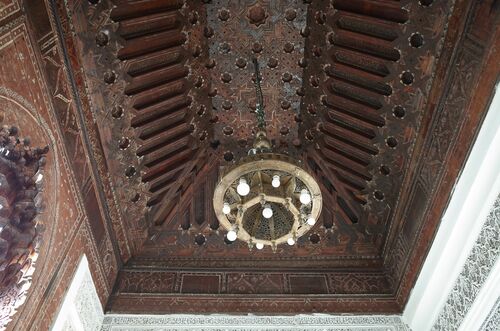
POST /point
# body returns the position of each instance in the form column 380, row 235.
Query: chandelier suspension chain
column 259, row 107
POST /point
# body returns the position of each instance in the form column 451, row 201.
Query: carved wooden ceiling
column 350, row 89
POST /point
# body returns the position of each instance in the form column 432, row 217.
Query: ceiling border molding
column 463, row 254
column 492, row 322
column 476, row 270
column 250, row 322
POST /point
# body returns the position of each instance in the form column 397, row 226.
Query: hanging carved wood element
column 21, row 177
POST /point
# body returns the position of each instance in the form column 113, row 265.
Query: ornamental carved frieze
column 21, row 177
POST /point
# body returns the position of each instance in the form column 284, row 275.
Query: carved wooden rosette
column 288, row 220
column 21, row 174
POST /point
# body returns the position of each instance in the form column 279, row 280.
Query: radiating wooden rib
column 359, row 78
column 170, row 120
column 162, row 124
column 350, row 123
column 348, row 137
column 128, row 10
column 346, row 211
column 159, row 182
column 166, row 151
column 341, row 162
column 152, row 61
column 174, row 208
column 158, row 94
column 163, row 183
column 156, row 78
column 342, row 104
column 160, row 110
column 361, row 61
column 163, row 138
column 210, row 182
column 341, row 190
column 326, row 217
column 348, row 150
column 161, row 212
column 365, row 44
column 199, row 205
column 181, row 155
column 385, row 10
column 159, row 196
column 353, row 183
column 141, row 26
column 347, row 164
column 151, row 43
column 354, row 93
column 368, row 26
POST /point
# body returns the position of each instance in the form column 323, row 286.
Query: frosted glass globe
column 267, row 212
column 226, row 209
column 305, row 197
column 291, row 241
column 259, row 245
column 276, row 181
column 311, row 221
column 232, row 235
column 243, row 188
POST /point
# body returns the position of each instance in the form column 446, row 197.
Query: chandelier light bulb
column 259, row 245
column 232, row 235
column 305, row 197
column 39, row 178
column 291, row 241
column 243, row 188
column 311, row 221
column 276, row 181
column 267, row 212
column 226, row 209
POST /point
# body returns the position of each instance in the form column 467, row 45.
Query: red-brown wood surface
column 380, row 101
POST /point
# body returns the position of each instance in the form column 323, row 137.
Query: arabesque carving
column 21, row 177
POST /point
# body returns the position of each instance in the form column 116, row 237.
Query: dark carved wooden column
column 21, row 176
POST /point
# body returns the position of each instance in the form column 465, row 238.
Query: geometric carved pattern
column 271, row 323
column 144, row 96
column 477, row 268
column 492, row 322
column 33, row 72
column 135, row 282
column 8, row 8
column 352, row 83
column 355, row 82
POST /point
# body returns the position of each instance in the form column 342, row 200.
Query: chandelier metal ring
column 289, row 217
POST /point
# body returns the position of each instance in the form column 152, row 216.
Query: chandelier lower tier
column 267, row 199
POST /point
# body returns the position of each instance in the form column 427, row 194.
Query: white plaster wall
column 81, row 309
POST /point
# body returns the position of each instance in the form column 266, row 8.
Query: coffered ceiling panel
column 353, row 90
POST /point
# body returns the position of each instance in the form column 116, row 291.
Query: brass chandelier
column 266, row 198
